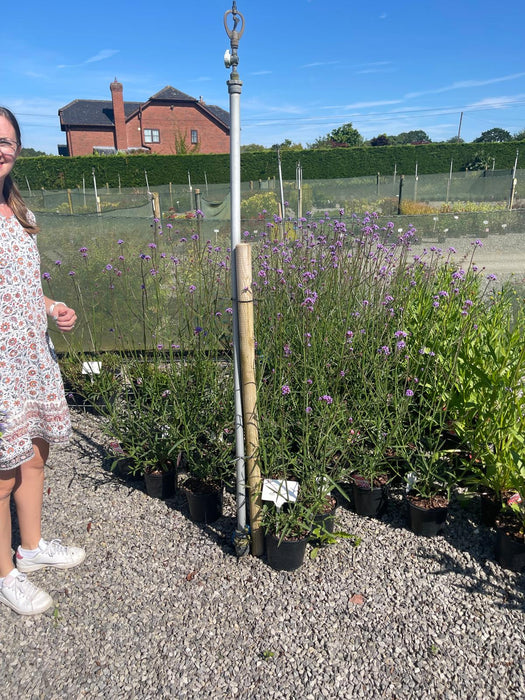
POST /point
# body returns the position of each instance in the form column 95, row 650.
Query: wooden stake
column 243, row 259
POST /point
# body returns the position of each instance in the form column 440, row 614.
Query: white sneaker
column 51, row 554
column 22, row 596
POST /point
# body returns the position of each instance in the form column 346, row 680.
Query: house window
column 151, row 136
column 194, row 136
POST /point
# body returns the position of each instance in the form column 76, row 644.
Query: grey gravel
column 163, row 608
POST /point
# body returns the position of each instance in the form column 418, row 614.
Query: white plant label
column 280, row 491
column 91, row 367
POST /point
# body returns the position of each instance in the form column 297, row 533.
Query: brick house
column 170, row 122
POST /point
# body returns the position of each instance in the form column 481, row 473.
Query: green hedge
column 57, row 172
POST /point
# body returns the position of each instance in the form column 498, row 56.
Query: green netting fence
column 487, row 186
column 70, row 223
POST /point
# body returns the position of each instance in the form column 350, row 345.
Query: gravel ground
column 163, row 608
column 500, row 255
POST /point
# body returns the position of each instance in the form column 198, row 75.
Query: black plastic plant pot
column 510, row 552
column 370, row 502
column 427, row 522
column 205, row 507
column 288, row 555
column 325, row 522
column 490, row 507
column 160, row 484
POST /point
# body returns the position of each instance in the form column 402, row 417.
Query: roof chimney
column 119, row 116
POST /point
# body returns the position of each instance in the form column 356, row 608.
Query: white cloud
column 497, row 102
column 465, row 84
column 318, row 64
column 362, row 105
column 100, row 56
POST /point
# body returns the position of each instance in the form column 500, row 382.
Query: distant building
column 170, row 122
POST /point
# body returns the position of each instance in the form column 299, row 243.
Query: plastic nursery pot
column 426, row 521
column 325, row 521
column 287, row 555
column 489, row 507
column 160, row 484
column 371, row 502
column 204, row 500
column 510, row 550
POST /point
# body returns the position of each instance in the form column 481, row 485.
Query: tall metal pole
column 231, row 60
column 281, row 226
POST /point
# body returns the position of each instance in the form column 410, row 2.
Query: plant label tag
column 280, row 491
column 91, row 367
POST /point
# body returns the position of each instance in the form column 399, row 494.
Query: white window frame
column 151, row 135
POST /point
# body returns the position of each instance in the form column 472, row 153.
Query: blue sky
column 307, row 66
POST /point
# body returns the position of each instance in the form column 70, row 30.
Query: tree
column 380, row 140
column 407, row 137
column 345, row 135
column 519, row 135
column 253, row 148
column 495, row 135
column 480, row 161
column 320, row 142
column 287, row 145
column 31, row 153
column 455, row 139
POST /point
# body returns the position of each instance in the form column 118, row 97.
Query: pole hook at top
column 233, row 33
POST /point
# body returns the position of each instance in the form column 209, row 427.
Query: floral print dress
column 32, row 400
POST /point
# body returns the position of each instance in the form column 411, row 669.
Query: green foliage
column 488, row 402
column 259, row 205
column 54, row 172
column 252, row 148
column 287, row 145
column 321, row 538
column 381, row 140
column 495, row 135
column 480, row 161
column 31, row 153
column 345, row 135
column 410, row 137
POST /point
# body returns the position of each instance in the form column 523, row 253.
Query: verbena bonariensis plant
column 164, row 305
column 357, row 344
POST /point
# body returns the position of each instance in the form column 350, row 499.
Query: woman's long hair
column 11, row 192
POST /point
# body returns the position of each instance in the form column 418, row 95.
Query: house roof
column 99, row 113
column 92, row 113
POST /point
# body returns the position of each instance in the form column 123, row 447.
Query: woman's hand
column 65, row 318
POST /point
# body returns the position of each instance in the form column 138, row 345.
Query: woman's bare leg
column 28, row 494
column 7, row 484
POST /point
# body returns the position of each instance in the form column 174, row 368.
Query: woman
column 33, row 409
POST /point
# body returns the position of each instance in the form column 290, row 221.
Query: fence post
column 400, row 196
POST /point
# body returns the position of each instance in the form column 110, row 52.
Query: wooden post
column 70, row 202
column 249, row 392
column 156, row 205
